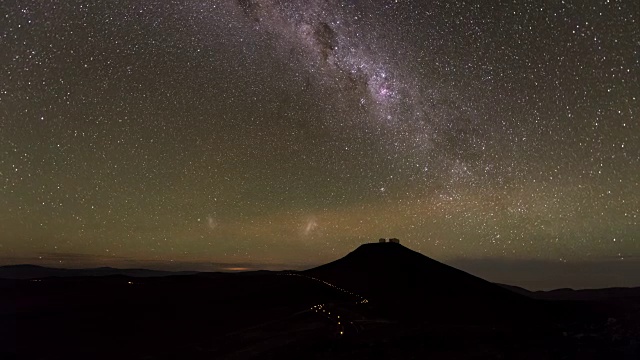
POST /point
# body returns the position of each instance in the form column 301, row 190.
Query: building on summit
column 382, row 240
column 394, row 240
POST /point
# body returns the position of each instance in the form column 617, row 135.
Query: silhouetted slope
column 403, row 282
column 174, row 317
column 418, row 308
column 517, row 290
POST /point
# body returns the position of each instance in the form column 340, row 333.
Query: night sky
column 284, row 133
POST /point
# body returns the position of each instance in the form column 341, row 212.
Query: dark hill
column 173, row 317
column 418, row 308
column 405, row 283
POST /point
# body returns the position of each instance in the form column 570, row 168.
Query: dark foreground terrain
column 382, row 301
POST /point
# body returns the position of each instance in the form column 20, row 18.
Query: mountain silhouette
column 416, row 308
column 407, row 284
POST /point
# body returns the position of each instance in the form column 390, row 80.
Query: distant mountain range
column 578, row 295
column 26, row 272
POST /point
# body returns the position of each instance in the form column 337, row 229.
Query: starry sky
column 228, row 134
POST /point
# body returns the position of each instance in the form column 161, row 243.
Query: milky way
column 341, row 49
column 273, row 133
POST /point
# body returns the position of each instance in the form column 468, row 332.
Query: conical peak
column 392, row 276
column 383, row 249
column 374, row 257
column 392, row 260
column 378, row 245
